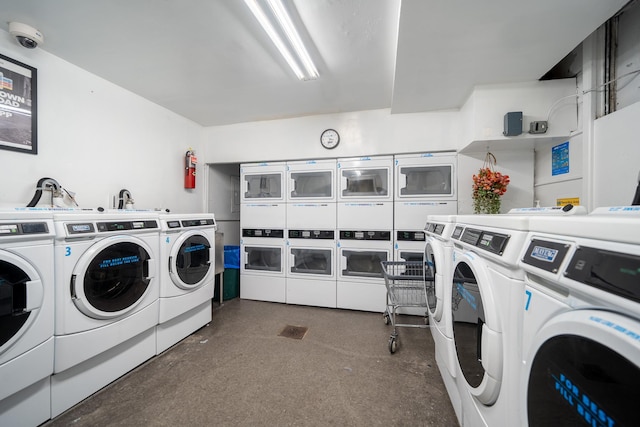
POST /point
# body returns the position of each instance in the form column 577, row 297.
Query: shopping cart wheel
column 386, row 318
column 393, row 344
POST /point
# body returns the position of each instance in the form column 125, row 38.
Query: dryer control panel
column 486, row 240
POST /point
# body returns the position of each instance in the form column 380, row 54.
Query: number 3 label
column 67, row 251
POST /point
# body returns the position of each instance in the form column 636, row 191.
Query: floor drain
column 295, row 332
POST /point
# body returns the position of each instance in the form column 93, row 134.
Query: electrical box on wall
column 512, row 123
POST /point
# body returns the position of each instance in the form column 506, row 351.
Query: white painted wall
column 617, row 157
column 96, row 138
column 224, row 200
column 361, row 133
column 549, row 188
column 517, row 164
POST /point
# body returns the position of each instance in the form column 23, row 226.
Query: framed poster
column 18, row 106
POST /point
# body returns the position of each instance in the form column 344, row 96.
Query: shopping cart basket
column 405, row 282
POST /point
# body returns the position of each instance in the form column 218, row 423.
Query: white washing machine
column 486, row 294
column 361, row 283
column 311, row 194
column 187, row 257
column 311, row 267
column 581, row 325
column 106, row 297
column 438, row 261
column 26, row 317
column 262, row 264
column 262, row 198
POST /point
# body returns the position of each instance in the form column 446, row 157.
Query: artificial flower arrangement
column 488, row 187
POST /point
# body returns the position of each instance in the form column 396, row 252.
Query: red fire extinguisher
column 190, row 161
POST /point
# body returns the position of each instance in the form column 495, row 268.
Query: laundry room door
column 112, row 277
column 190, row 262
column 476, row 332
column 20, row 294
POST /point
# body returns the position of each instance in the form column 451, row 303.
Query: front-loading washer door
column 476, row 335
column 112, row 277
column 20, row 294
column 584, row 369
column 190, row 260
column 431, row 283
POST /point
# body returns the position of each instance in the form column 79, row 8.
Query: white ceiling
column 209, row 61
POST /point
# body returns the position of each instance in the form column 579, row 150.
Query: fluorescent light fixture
column 283, row 19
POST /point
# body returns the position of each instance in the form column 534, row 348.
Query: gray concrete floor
column 238, row 371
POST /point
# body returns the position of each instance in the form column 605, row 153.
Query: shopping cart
column 405, row 282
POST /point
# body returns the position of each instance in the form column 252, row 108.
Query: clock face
column 330, row 139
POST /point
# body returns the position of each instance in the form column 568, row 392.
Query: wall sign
column 18, row 112
column 560, row 159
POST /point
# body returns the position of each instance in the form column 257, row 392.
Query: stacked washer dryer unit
column 486, row 291
column 581, row 326
column 106, row 298
column 425, row 184
column 365, row 223
column 438, row 259
column 26, row 316
column 262, row 223
column 187, row 257
column 311, row 233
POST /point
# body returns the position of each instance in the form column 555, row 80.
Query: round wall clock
column 330, row 138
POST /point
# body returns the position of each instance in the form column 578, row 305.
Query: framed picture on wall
column 18, row 112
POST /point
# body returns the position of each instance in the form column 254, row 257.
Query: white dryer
column 486, row 293
column 26, row 316
column 262, row 264
column 311, row 267
column 106, row 296
column 262, row 198
column 425, row 184
column 187, row 257
column 311, row 194
column 581, row 325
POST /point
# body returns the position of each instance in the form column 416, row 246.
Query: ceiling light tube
column 285, row 22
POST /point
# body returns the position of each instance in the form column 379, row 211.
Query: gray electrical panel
column 512, row 123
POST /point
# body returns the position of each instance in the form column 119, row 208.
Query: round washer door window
column 585, row 371
column 20, row 294
column 191, row 261
column 476, row 335
column 112, row 277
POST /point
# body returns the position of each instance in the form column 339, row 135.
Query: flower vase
column 488, row 203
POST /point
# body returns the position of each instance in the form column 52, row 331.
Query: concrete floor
column 238, row 371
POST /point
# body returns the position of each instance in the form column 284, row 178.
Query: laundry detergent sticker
column 194, row 248
column 544, row 254
column 114, row 262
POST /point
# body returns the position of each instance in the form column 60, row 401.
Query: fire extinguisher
column 190, row 161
